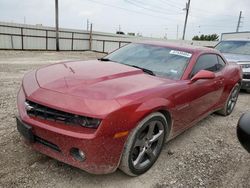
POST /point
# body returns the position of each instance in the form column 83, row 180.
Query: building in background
column 236, row 35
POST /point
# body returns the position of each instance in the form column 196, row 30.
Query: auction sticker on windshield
column 180, row 53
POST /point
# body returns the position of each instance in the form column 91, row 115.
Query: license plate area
column 25, row 130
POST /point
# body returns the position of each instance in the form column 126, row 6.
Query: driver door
column 205, row 93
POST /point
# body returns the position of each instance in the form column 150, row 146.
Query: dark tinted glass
column 206, row 62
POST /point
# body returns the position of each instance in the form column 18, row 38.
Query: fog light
column 77, row 154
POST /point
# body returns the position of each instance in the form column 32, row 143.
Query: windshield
column 161, row 61
column 234, row 47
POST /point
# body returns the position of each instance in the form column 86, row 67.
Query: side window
column 221, row 62
column 206, row 62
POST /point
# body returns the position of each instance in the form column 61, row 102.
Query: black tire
column 231, row 101
column 144, row 145
column 248, row 90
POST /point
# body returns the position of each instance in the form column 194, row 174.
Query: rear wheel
column 144, row 145
column 231, row 101
column 248, row 90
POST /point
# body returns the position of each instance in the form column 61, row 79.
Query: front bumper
column 100, row 158
column 246, row 80
column 245, row 84
column 56, row 140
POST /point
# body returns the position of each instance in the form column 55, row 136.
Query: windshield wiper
column 104, row 59
column 144, row 70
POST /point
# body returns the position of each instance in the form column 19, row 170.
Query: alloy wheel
column 148, row 144
column 232, row 100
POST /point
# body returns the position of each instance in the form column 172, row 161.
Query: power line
column 172, row 4
column 157, row 7
column 134, row 11
column 214, row 21
column 203, row 11
column 152, row 9
column 210, row 17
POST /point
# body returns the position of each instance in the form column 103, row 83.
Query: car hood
column 237, row 57
column 96, row 79
column 90, row 88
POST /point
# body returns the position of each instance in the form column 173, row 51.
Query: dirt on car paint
column 207, row 155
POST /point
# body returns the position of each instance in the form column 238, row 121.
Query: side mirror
column 203, row 74
column 243, row 131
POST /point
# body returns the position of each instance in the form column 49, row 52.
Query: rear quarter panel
column 232, row 74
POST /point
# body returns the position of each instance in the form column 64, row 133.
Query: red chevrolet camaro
column 119, row 110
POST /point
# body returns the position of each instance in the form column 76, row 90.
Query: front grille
column 246, row 76
column 43, row 112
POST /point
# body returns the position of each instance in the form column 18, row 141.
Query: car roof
column 235, row 39
column 180, row 46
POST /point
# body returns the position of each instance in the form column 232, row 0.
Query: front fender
column 126, row 118
column 150, row 106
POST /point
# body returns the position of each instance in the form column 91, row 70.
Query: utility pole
column 57, row 27
column 177, row 32
column 166, row 34
column 119, row 28
column 239, row 22
column 87, row 24
column 185, row 24
column 90, row 36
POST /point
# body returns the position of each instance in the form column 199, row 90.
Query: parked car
column 118, row 111
column 239, row 52
column 243, row 131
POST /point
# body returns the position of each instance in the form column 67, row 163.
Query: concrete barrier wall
column 35, row 37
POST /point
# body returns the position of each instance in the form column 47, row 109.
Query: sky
column 151, row 18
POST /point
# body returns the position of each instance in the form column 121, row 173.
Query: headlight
column 245, row 66
column 87, row 121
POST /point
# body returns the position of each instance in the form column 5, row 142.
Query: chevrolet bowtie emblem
column 28, row 107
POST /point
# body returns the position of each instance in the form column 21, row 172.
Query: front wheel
column 231, row 101
column 144, row 145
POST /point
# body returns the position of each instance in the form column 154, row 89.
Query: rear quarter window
column 221, row 62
